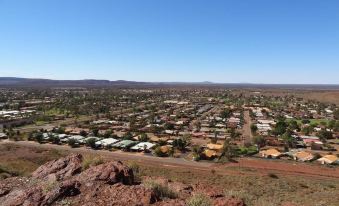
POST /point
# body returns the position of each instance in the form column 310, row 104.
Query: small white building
column 3, row 135
column 106, row 142
column 142, row 146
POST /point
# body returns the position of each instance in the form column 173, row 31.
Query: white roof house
column 106, row 142
column 3, row 135
column 87, row 138
column 259, row 114
column 328, row 111
column 220, row 125
column 62, row 136
column 233, row 119
column 309, row 137
column 76, row 137
column 143, row 145
column 9, row 112
column 264, row 127
column 167, row 131
column 266, row 121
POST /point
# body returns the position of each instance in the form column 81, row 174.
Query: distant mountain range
column 32, row 82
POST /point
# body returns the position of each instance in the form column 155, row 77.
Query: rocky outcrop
column 109, row 173
column 222, row 201
column 110, row 183
column 66, row 188
column 117, row 194
column 59, row 169
column 4, row 190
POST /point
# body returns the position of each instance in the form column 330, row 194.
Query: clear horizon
column 263, row 41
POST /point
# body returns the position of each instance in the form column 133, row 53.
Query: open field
column 18, row 160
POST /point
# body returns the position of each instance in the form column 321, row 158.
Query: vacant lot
column 16, row 160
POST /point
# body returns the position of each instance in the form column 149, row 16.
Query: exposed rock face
column 32, row 196
column 110, row 173
column 66, row 188
column 59, row 169
column 39, row 195
column 4, row 190
column 111, row 183
column 222, row 201
column 117, row 194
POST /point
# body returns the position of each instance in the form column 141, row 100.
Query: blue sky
column 257, row 41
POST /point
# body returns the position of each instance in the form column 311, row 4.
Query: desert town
column 202, row 125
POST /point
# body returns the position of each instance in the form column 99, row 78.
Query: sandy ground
column 247, row 126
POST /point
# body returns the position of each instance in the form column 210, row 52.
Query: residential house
column 270, row 153
column 3, row 135
column 303, row 156
column 143, row 146
column 328, row 159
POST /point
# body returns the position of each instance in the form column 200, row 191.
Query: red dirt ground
column 291, row 168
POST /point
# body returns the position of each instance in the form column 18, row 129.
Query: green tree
column 72, row 143
column 226, row 113
column 143, row 137
column 182, row 142
column 54, row 139
column 83, row 133
column 288, row 140
column 95, row 131
column 336, row 126
column 214, row 140
column 331, row 124
column 234, row 134
column 305, row 121
column 228, row 150
column 197, row 152
column 169, row 126
column 128, row 136
column 280, row 128
column 162, row 142
column 91, row 143
column 254, row 128
column 336, row 114
column 39, row 137
column 325, row 135
column 307, row 130
column 108, row 133
column 259, row 140
column 293, row 125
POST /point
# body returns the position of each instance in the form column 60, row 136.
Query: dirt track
column 244, row 165
column 247, row 126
